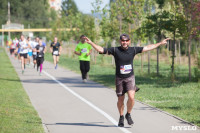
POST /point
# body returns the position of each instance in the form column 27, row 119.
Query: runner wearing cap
column 83, row 50
column 125, row 79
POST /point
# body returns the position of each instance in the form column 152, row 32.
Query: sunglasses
column 124, row 40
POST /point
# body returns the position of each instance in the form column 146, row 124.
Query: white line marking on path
column 89, row 103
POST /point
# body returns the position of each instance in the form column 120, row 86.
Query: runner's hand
column 165, row 41
column 87, row 40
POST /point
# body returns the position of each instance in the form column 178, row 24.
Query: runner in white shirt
column 33, row 45
column 23, row 52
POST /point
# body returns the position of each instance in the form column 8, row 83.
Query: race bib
column 84, row 50
column 125, row 69
column 55, row 52
column 41, row 49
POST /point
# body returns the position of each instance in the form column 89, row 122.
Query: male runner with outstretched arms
column 125, row 79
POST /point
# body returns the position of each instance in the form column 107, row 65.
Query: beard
column 124, row 46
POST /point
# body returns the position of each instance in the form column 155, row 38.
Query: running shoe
column 121, row 121
column 56, row 66
column 129, row 119
column 84, row 80
column 40, row 73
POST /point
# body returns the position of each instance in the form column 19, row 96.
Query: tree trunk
column 157, row 61
column 158, row 49
column 149, row 59
column 149, row 54
column 168, row 48
column 197, row 50
column 189, row 57
column 173, row 54
column 179, row 48
column 141, row 58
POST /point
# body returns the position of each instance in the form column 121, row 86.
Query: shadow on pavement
column 84, row 124
column 74, row 82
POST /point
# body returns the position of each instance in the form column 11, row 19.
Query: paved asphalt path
column 66, row 105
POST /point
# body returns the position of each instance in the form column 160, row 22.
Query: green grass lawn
column 179, row 97
column 17, row 114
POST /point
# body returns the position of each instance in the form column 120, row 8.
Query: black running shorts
column 24, row 55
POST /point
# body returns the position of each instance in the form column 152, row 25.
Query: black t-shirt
column 41, row 48
column 123, row 59
column 55, row 46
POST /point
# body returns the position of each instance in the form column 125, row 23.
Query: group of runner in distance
column 24, row 49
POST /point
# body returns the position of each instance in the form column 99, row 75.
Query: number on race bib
column 125, row 69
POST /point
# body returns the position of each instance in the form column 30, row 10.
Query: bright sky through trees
column 85, row 5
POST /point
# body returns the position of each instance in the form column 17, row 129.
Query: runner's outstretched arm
column 153, row 46
column 95, row 46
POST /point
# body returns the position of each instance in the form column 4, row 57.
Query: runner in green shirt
column 83, row 50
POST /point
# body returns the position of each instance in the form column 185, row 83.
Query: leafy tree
column 29, row 12
column 69, row 7
column 156, row 24
column 176, row 25
column 190, row 9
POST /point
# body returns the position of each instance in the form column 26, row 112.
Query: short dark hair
column 82, row 36
column 124, row 37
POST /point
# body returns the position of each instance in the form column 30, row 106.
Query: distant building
column 55, row 4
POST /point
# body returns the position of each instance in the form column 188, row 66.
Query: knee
column 131, row 98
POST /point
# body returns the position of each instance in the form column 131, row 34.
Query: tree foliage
column 69, row 7
column 27, row 12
